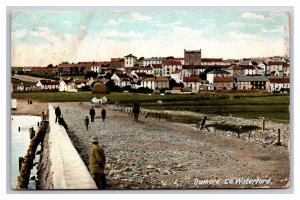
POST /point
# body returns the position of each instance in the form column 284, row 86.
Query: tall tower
column 192, row 57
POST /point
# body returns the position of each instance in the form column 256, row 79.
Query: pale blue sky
column 56, row 36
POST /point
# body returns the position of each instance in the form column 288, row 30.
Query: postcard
column 135, row 99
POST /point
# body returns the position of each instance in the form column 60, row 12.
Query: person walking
column 136, row 110
column 97, row 163
column 92, row 113
column 103, row 114
column 57, row 113
column 86, row 122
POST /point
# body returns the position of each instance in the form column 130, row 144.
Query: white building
column 169, row 66
column 213, row 61
column 151, row 61
column 177, row 75
column 156, row 83
column 129, row 61
column 146, row 70
column 192, row 83
column 211, row 75
column 279, row 84
column 96, row 68
column 249, row 69
column 157, row 69
column 47, row 84
column 275, row 68
column 192, row 70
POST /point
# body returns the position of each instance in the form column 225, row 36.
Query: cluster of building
column 192, row 72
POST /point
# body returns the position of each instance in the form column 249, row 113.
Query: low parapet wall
column 67, row 168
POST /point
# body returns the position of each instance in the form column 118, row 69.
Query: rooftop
column 223, row 79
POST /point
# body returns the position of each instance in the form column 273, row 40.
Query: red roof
column 279, row 80
column 192, row 67
column 276, row 63
column 223, row 79
column 156, row 66
column 77, row 82
column 176, row 88
column 171, row 62
column 191, row 79
column 211, row 59
column 49, row 82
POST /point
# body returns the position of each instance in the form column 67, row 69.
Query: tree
column 172, row 83
column 91, row 74
column 141, row 58
column 50, row 65
column 170, row 57
column 108, row 75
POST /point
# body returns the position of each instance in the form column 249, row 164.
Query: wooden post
column 38, row 124
column 19, row 129
column 203, row 123
column 278, row 137
column 43, row 115
column 263, row 124
column 31, row 133
column 21, row 159
column 249, row 135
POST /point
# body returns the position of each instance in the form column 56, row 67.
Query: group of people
column 92, row 114
column 96, row 156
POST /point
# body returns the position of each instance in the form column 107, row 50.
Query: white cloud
column 83, row 47
column 233, row 35
column 114, row 33
column 113, row 22
column 67, row 22
column 239, row 24
column 253, row 16
column 279, row 29
column 137, row 16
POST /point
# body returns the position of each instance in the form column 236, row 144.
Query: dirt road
column 151, row 155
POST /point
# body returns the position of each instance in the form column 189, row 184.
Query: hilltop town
column 188, row 74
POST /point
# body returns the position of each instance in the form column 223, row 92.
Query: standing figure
column 86, row 122
column 103, row 114
column 136, row 110
column 57, row 113
column 97, row 163
column 92, row 113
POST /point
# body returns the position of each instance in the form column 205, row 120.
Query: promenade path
column 151, row 155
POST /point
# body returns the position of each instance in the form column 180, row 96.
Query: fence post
column 278, row 137
column 31, row 133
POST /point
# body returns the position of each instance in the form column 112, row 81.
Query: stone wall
column 61, row 166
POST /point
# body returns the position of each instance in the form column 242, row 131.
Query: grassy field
column 18, row 81
column 248, row 105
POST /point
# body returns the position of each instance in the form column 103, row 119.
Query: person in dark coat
column 86, row 122
column 62, row 122
column 57, row 113
column 92, row 113
column 136, row 110
column 97, row 163
column 103, row 114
